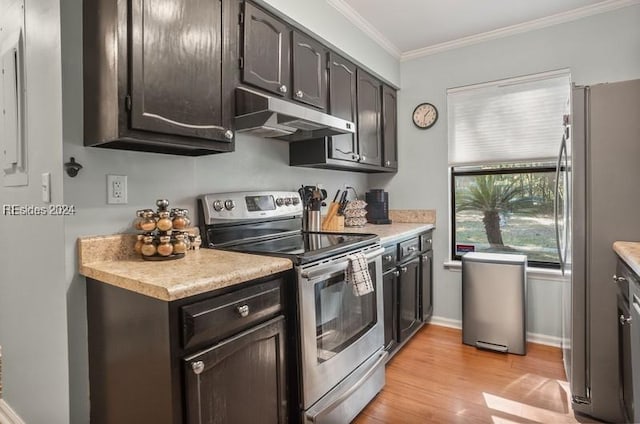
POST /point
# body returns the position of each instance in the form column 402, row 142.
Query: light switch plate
column 116, row 189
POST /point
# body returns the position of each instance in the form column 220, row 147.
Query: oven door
column 338, row 330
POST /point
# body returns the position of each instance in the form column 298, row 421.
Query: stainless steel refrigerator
column 601, row 164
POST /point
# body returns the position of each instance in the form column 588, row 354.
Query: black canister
column 377, row 206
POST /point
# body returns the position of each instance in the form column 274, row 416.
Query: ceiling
column 410, row 28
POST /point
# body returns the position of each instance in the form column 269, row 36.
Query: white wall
column 256, row 164
column 600, row 48
column 33, row 321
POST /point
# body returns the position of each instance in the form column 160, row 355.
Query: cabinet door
column 369, row 110
column 389, row 128
column 176, row 68
column 265, row 63
column 625, row 365
column 240, row 380
column 390, row 299
column 342, row 103
column 408, row 293
column 309, row 71
column 426, row 286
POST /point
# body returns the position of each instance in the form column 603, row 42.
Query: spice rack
column 164, row 236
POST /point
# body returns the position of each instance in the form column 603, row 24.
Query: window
column 504, row 137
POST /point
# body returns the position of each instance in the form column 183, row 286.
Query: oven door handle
column 332, row 268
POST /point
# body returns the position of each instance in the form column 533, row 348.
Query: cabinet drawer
column 389, row 257
column 409, row 248
column 426, row 242
column 225, row 315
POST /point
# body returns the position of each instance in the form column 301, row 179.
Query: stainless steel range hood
column 267, row 116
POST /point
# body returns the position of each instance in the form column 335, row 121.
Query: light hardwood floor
column 437, row 379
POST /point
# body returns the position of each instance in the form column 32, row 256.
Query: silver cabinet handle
column 387, row 163
column 243, row 310
column 403, row 269
column 228, row 134
column 197, row 367
column 412, row 248
column 618, row 279
column 355, row 157
column 363, row 158
column 624, row 320
column 299, row 94
column 283, row 88
column 387, row 257
column 396, row 273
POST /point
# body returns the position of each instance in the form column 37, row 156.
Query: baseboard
column 537, row 338
column 446, row 322
column 8, row 415
column 543, row 339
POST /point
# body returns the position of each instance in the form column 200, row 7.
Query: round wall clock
column 425, row 115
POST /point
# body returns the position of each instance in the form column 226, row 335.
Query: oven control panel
column 243, row 205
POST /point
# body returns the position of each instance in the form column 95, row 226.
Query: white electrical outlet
column 116, row 189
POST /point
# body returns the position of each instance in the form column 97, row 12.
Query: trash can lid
column 494, row 257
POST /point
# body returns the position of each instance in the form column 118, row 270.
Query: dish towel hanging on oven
column 358, row 274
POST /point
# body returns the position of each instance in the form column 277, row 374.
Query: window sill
column 537, row 273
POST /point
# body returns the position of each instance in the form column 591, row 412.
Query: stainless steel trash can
column 494, row 288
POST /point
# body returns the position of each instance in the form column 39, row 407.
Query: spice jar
column 180, row 220
column 138, row 246
column 179, row 245
column 197, row 241
column 148, row 222
column 138, row 221
column 164, row 222
column 165, row 248
column 148, row 248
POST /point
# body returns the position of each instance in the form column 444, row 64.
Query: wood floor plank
column 437, row 379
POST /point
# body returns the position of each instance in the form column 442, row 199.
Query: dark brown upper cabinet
column 266, row 50
column 309, row 71
column 369, row 100
column 389, row 128
column 342, row 103
column 159, row 79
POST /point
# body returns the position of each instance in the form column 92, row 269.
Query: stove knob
column 229, row 204
column 217, row 205
column 279, row 201
column 287, row 201
column 296, row 200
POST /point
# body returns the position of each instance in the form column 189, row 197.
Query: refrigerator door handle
column 556, row 208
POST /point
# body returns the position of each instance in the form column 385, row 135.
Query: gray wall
column 600, row 48
column 256, row 164
column 322, row 19
column 33, row 331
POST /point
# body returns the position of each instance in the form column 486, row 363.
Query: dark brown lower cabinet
column 408, row 299
column 216, row 357
column 426, row 286
column 240, row 380
column 390, row 296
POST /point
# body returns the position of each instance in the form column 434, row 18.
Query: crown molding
column 559, row 18
column 356, row 19
column 8, row 415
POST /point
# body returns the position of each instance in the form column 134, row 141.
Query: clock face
column 425, row 115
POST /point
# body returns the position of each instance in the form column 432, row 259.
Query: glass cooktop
column 306, row 247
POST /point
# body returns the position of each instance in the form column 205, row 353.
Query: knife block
column 333, row 221
column 336, row 223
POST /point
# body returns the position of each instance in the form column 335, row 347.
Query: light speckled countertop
column 391, row 232
column 111, row 259
column 630, row 253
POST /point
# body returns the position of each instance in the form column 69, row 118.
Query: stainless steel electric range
column 339, row 335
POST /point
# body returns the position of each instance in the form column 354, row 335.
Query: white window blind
column 508, row 121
